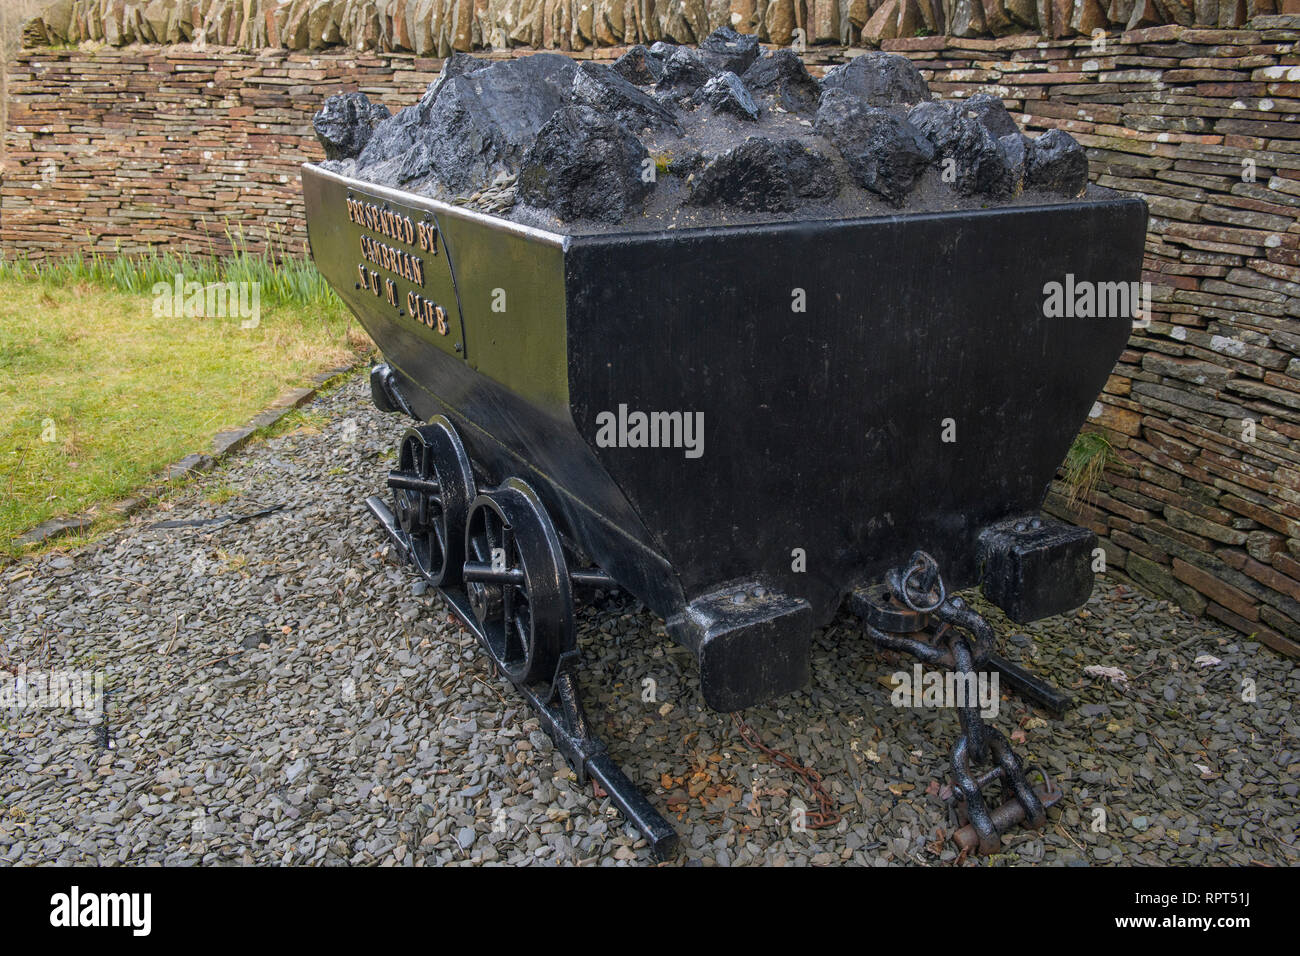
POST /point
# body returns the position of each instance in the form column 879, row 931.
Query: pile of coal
column 668, row 129
column 345, row 123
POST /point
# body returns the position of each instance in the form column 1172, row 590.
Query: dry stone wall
column 136, row 147
column 436, row 27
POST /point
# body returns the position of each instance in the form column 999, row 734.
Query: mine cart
column 743, row 426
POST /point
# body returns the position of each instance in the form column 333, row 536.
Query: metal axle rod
column 484, row 573
column 397, row 479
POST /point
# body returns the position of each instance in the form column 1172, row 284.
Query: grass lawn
column 98, row 394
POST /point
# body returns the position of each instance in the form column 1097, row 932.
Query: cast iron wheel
column 528, row 622
column 432, row 488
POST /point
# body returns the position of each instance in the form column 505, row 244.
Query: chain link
column 920, row 588
column 828, row 815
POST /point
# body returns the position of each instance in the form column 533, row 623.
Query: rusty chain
column 828, row 815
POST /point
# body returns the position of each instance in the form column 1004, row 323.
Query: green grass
column 1084, row 465
column 285, row 280
column 98, row 394
column 220, row 494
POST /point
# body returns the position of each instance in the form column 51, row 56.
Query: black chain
column 919, row 588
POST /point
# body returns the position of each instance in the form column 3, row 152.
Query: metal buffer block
column 497, row 559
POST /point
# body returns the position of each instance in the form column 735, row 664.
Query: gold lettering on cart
column 409, row 267
column 391, row 225
column 397, row 227
column 430, row 313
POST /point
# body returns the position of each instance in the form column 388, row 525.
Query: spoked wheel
column 432, row 488
column 518, row 582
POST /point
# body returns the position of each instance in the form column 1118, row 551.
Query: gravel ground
column 279, row 691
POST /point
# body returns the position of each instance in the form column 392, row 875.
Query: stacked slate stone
column 438, row 27
column 668, row 130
